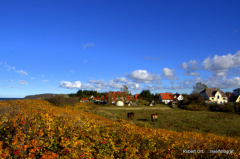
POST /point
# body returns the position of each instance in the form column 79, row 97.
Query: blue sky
column 165, row 46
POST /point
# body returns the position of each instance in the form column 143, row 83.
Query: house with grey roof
column 236, row 92
column 234, row 98
column 215, row 95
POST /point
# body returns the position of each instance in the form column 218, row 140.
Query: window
column 223, row 98
column 212, row 98
column 218, row 97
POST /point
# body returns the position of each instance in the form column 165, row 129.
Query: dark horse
column 154, row 117
column 130, row 115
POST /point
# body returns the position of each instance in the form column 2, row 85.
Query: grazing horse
column 130, row 115
column 154, row 117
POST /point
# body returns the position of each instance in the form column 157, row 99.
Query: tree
column 198, row 88
column 125, row 89
column 79, row 93
column 145, row 93
column 228, row 93
column 109, row 102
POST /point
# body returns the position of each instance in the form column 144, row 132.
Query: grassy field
column 176, row 119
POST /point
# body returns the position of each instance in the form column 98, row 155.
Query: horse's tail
column 152, row 117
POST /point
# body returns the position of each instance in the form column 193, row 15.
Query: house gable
column 214, row 94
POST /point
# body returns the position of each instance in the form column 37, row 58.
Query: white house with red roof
column 166, row 97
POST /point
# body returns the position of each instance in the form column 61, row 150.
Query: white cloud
column 22, row 72
column 20, row 87
column 190, row 67
column 121, row 79
column 153, row 87
column 85, row 61
column 9, row 68
column 32, row 78
column 114, row 85
column 223, row 83
column 133, row 85
column 42, row 75
column 45, row 80
column 11, row 87
column 88, row 45
column 102, row 82
column 176, row 87
column 77, row 85
column 220, row 65
column 235, row 31
column 169, row 74
column 72, row 71
column 69, row 85
column 10, row 80
column 22, row 82
column 198, row 79
column 142, row 76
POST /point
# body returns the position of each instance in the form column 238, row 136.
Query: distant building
column 178, row 97
column 215, row 95
column 84, row 100
column 166, row 97
column 234, row 99
column 236, row 91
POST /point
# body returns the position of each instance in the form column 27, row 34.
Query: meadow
column 176, row 119
column 37, row 129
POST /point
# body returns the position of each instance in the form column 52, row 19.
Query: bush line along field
column 37, row 129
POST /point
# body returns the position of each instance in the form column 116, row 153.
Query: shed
column 120, row 103
column 133, row 103
column 153, row 103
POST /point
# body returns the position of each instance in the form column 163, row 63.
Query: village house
column 84, row 100
column 235, row 97
column 236, row 91
column 178, row 97
column 215, row 95
column 166, row 97
column 120, row 96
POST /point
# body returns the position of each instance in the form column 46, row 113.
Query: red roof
column 84, row 99
column 116, row 94
column 167, row 96
column 97, row 98
column 136, row 95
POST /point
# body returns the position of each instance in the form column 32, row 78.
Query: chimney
column 215, row 88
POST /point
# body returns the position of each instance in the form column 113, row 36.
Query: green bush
column 71, row 101
column 59, row 100
column 147, row 103
column 195, row 106
column 227, row 107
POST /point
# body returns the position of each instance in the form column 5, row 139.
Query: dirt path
column 135, row 108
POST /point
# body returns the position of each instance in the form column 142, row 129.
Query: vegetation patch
column 39, row 130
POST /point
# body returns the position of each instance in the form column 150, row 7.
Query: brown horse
column 154, row 117
column 130, row 115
